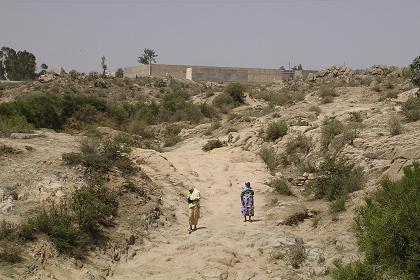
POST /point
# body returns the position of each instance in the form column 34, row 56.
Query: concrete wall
column 158, row 70
column 216, row 74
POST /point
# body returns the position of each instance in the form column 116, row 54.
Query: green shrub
column 72, row 158
column 315, row 109
column 337, row 177
column 353, row 271
column 101, row 157
column 7, row 230
column 9, row 125
column 411, row 109
column 207, row 110
column 388, row 225
column 330, row 129
column 415, row 71
column 299, row 144
column 281, row 186
column 213, row 144
column 268, row 155
column 236, row 92
column 338, row 205
column 10, row 252
column 356, row 117
column 224, row 102
column 213, row 127
column 327, row 94
column 171, row 135
column 92, row 206
column 276, row 130
column 395, row 126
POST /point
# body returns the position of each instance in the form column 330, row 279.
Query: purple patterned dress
column 247, row 199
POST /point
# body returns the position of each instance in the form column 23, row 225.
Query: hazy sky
column 245, row 33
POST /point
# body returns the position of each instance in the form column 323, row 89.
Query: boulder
column 46, row 78
column 57, row 70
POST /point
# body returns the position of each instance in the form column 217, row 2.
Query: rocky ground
column 292, row 237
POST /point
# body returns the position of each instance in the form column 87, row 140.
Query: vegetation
column 268, row 155
column 276, row 130
column 338, row 205
column 353, row 271
column 388, row 225
column 395, row 126
column 147, row 57
column 411, row 109
column 330, row 129
column 281, row 186
column 415, row 71
column 17, row 66
column 232, row 97
column 119, row 73
column 171, row 137
column 315, row 109
column 337, row 177
column 103, row 65
column 213, row 144
column 103, row 156
column 327, row 94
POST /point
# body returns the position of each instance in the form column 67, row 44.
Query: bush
column 236, row 92
column 276, row 130
column 213, row 144
column 9, row 125
column 224, row 102
column 281, row 186
column 338, row 205
column 327, row 94
column 356, row 117
column 330, row 129
column 388, row 225
column 337, row 177
column 315, row 109
column 171, row 135
column 10, row 252
column 395, row 126
column 411, row 109
column 415, row 71
column 299, row 144
column 353, row 271
column 101, row 157
column 268, row 155
column 119, row 73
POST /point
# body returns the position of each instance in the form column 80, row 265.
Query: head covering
column 190, row 188
column 248, row 184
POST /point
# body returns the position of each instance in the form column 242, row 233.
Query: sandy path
column 223, row 247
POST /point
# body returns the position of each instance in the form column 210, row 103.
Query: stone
column 46, row 78
column 57, row 70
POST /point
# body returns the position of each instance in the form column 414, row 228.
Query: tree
column 415, row 73
column 119, row 73
column 17, row 66
column 148, row 57
column 44, row 68
column 103, row 64
column 300, row 67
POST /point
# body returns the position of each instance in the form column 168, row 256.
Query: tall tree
column 148, row 57
column 17, row 66
column 103, row 64
column 44, row 68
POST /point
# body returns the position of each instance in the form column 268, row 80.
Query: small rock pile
column 333, row 72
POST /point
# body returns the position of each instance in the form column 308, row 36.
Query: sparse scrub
column 354, row 271
column 299, row 144
column 395, row 126
column 11, row 124
column 338, row 205
column 315, row 109
column 268, row 155
column 356, row 117
column 213, row 144
column 327, row 94
column 213, row 127
column 275, row 130
column 337, row 177
column 10, row 252
column 330, row 129
column 297, row 254
column 411, row 109
column 236, row 92
column 281, row 186
column 171, row 135
column 388, row 225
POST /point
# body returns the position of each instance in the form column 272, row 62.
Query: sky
column 242, row 33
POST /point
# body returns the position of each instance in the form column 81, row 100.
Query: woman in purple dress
column 247, row 200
